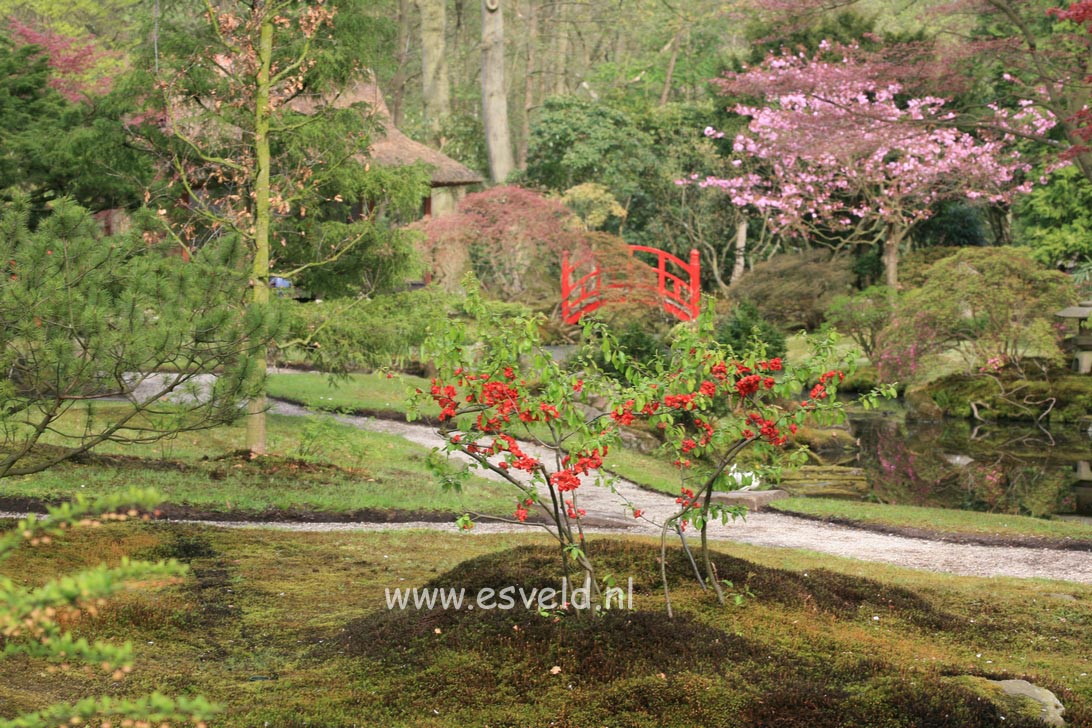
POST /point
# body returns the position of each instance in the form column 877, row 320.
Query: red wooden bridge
column 679, row 292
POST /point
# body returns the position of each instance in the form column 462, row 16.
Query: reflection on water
column 1000, row 468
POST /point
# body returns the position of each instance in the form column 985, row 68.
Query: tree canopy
column 86, row 320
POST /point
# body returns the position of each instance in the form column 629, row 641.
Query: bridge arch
column 673, row 283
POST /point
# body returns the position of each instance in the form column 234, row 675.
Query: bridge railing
column 676, row 289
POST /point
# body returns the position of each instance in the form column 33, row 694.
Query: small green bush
column 745, row 324
column 795, row 290
column 343, row 334
column 994, row 305
column 639, row 341
column 862, row 316
column 914, row 266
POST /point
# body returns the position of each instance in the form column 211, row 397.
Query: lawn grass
column 291, row 629
column 315, row 464
column 376, row 393
column 939, row 521
column 372, row 393
column 648, row 471
column 798, row 351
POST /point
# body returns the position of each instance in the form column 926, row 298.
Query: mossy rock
column 827, row 481
column 828, row 443
column 1062, row 399
column 921, row 405
column 863, row 380
column 1016, row 698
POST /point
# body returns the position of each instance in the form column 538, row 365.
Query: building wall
column 451, row 263
column 446, row 199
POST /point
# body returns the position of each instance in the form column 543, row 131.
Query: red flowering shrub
column 711, row 403
column 75, row 64
column 508, row 387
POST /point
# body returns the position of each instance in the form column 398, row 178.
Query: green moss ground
column 291, row 630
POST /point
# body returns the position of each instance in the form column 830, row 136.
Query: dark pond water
column 1001, row 468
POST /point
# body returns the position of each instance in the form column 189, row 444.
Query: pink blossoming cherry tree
column 835, row 151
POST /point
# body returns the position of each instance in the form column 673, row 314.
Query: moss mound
column 638, row 668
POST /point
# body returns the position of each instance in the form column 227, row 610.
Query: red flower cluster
column 572, row 511
column 516, row 457
column 445, row 397
column 708, row 388
column 624, row 414
column 680, row 401
column 500, row 395
column 819, row 391
column 767, row 429
column 565, row 480
column 687, row 499
column 751, row 383
column 502, row 398
column 586, row 462
column 707, row 429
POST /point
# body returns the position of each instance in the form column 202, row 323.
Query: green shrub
column 744, row 325
column 914, row 265
column 795, row 290
column 862, row 316
column 995, row 306
column 639, row 341
column 347, row 334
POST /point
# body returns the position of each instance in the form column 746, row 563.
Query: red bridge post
column 695, row 283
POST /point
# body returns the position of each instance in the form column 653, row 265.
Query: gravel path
column 761, row 529
column 606, row 510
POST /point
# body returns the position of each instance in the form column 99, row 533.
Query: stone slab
column 754, row 500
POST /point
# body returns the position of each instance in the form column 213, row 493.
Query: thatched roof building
column 393, row 148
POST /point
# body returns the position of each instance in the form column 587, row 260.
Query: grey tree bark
column 397, row 95
column 498, row 140
column 739, row 267
column 436, row 80
column 530, row 71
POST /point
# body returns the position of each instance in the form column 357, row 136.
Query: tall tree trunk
column 529, row 73
column 740, row 263
column 561, row 50
column 498, row 142
column 437, row 85
column 1000, row 221
column 259, row 291
column 397, row 94
column 891, row 244
column 676, row 42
